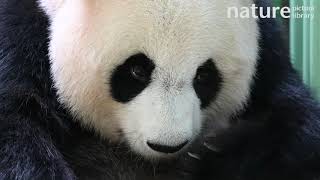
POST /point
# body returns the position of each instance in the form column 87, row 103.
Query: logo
column 271, row 12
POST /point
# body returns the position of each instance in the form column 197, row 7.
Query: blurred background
column 304, row 40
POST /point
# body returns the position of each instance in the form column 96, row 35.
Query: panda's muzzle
column 165, row 148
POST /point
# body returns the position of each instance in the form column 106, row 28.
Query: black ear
column 50, row 6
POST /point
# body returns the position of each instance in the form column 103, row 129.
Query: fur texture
column 276, row 136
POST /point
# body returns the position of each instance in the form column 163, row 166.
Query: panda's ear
column 50, row 6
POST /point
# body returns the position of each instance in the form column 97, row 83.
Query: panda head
column 151, row 72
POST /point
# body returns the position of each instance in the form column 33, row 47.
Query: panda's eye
column 207, row 82
column 130, row 78
column 203, row 76
column 139, row 73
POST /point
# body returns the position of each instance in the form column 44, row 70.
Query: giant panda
column 157, row 89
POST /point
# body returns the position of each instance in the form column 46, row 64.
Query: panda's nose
column 165, row 148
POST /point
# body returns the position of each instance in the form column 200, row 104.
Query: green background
column 305, row 42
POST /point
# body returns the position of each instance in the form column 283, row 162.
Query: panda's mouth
column 165, row 148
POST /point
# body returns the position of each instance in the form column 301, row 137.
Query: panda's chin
column 158, row 156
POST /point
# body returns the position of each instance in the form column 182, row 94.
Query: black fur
column 276, row 137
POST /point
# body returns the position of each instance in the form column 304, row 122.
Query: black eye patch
column 207, row 82
column 131, row 78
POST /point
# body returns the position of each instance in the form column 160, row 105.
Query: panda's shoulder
column 23, row 45
column 25, row 84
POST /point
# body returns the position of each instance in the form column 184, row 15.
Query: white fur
column 50, row 6
column 89, row 38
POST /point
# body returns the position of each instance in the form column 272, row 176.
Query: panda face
column 151, row 72
column 161, row 103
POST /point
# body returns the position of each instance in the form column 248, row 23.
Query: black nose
column 165, row 148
